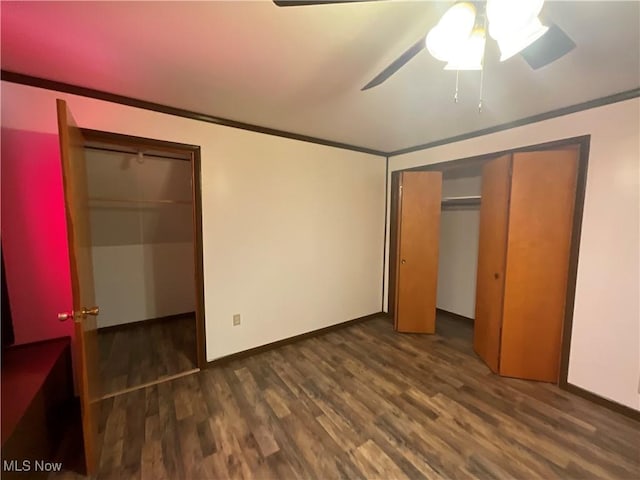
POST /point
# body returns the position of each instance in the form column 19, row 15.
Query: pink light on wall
column 34, row 235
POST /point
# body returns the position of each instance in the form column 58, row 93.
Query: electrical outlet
column 236, row 319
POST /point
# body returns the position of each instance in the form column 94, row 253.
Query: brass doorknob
column 65, row 316
column 404, row 261
column 90, row 311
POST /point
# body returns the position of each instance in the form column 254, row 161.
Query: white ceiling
column 300, row 69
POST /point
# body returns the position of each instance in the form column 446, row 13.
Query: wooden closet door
column 417, row 259
column 494, row 219
column 85, row 311
column 540, row 228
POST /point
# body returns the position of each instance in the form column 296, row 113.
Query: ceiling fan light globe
column 518, row 41
column 452, row 31
column 470, row 55
column 509, row 16
column 443, row 46
column 458, row 21
column 437, row 45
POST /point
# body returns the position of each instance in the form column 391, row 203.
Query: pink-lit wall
column 34, row 236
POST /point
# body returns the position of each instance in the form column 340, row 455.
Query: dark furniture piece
column 37, row 403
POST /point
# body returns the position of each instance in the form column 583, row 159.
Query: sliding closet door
column 540, row 228
column 494, row 219
column 417, row 259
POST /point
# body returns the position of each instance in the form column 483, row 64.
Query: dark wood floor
column 364, row 402
column 145, row 352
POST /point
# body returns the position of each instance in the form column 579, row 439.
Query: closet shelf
column 138, row 200
column 461, row 201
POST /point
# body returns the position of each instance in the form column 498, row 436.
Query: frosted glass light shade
column 452, row 31
column 518, row 41
column 437, row 44
column 458, row 21
column 514, row 24
column 469, row 56
column 509, row 16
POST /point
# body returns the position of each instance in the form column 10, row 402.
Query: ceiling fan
column 459, row 37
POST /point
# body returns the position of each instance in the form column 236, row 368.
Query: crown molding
column 179, row 112
column 598, row 102
column 38, row 82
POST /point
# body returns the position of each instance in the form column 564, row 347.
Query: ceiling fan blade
column 548, row 48
column 396, row 65
column 302, row 3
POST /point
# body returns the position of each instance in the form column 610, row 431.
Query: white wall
column 143, row 281
column 458, row 254
column 143, row 257
column 605, row 341
column 292, row 231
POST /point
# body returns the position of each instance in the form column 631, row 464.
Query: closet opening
column 458, row 252
column 457, row 258
column 507, row 233
column 146, row 248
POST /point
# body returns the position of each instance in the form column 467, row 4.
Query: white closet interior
column 459, row 230
column 141, row 218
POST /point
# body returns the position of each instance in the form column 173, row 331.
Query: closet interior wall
column 141, row 218
column 459, row 230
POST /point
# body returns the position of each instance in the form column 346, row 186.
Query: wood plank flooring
column 364, row 402
column 145, row 352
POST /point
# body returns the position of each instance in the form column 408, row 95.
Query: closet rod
column 467, row 197
column 138, row 200
column 461, row 201
column 115, row 150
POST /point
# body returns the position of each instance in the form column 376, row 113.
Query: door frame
column 196, row 195
column 583, row 142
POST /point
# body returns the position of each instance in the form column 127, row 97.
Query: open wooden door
column 84, row 313
column 540, row 228
column 417, row 239
column 492, row 254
